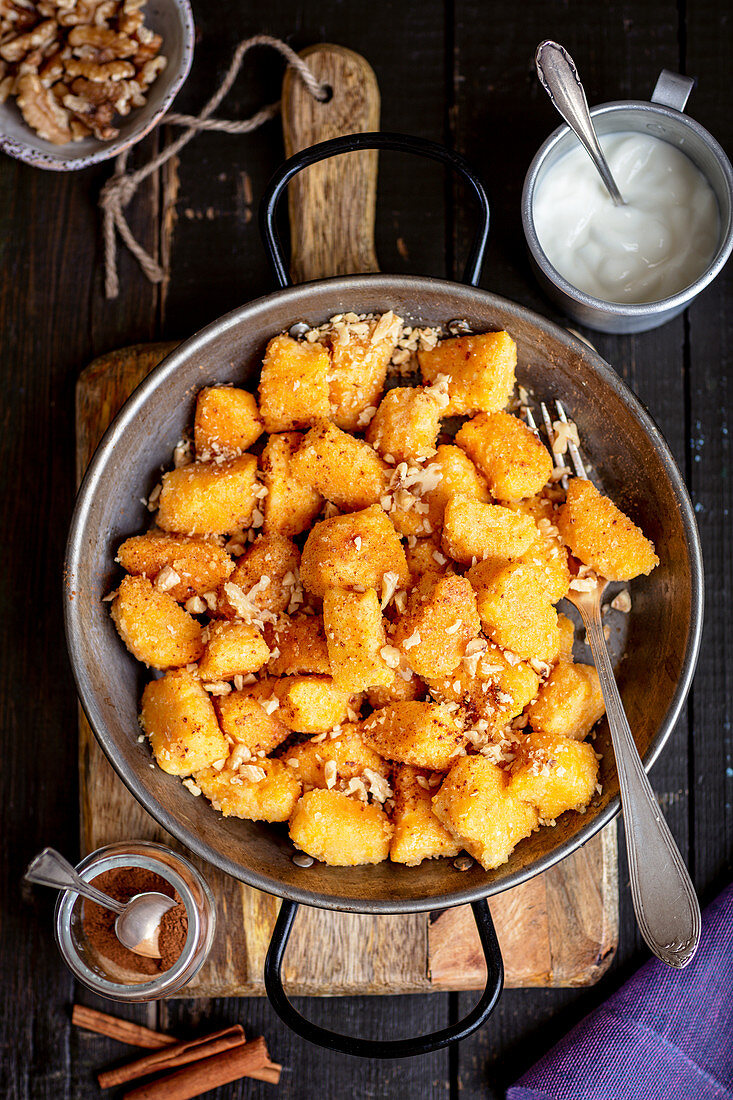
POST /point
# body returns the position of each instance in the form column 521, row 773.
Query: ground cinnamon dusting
column 123, row 883
column 173, row 933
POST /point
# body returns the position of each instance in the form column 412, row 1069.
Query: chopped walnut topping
column 330, row 773
column 583, row 584
column 622, row 601
column 564, row 433
column 217, row 687
column 195, row 606
column 252, row 773
column 377, row 785
column 167, row 579
column 389, row 587
column 240, row 755
column 390, row 656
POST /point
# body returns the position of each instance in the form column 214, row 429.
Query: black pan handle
column 350, row 143
column 379, row 1048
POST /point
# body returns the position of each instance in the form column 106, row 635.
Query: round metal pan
column 624, row 447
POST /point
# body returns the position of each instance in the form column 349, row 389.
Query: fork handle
column 664, row 898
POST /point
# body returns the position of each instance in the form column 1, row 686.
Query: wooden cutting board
column 560, row 928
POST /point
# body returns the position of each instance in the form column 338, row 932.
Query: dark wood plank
column 50, row 295
column 308, row 1071
column 500, row 116
column 221, row 177
column 709, row 37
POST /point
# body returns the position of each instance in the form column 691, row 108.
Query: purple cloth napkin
column 666, row 1035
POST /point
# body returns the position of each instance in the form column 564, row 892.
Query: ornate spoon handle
column 49, row 868
column 559, row 77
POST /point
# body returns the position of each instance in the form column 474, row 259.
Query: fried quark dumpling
column 511, row 457
column 227, row 422
column 489, row 686
column 266, row 573
column 352, row 551
column 342, row 468
column 359, row 362
column 480, row 371
column 336, row 760
column 440, row 620
column 425, row 556
column 244, row 721
column 153, row 627
column 458, row 476
column 355, row 638
column 192, row 565
column 290, row 505
column 305, row 704
column 569, row 703
column 428, row 735
column 554, row 774
column 294, row 385
column 234, row 649
column 514, row 609
column 209, row 498
column 601, row 536
column 180, row 721
column 298, row 645
column 406, row 424
column 339, row 830
column 475, row 530
column 418, row 833
column 476, row 805
column 399, row 690
column 260, row 790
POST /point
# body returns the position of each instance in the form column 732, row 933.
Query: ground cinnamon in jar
column 123, row 883
column 173, row 933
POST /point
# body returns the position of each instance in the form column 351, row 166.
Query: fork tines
column 557, row 459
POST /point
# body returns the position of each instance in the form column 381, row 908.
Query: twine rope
column 119, row 190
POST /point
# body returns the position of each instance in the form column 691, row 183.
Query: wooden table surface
column 453, row 70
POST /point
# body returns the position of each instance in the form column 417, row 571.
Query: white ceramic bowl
column 173, row 20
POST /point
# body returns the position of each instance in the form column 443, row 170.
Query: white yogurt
column 660, row 242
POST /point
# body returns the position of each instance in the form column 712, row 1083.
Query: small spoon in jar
column 138, row 921
column 559, row 77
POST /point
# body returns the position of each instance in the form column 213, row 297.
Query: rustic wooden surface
column 558, row 929
column 455, row 70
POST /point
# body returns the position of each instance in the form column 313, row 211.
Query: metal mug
column 663, row 117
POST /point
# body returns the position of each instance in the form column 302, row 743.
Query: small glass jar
column 98, row 973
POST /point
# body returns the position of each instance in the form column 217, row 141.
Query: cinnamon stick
column 249, row 1060
column 123, row 1030
column 178, row 1054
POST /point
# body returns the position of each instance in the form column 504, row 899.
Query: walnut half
column 41, row 111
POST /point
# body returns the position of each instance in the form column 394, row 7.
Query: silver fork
column 665, row 903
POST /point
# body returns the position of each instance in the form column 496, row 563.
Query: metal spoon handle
column 559, row 77
column 665, row 903
column 49, row 868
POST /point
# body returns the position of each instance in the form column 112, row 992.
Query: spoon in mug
column 138, row 921
column 559, row 77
